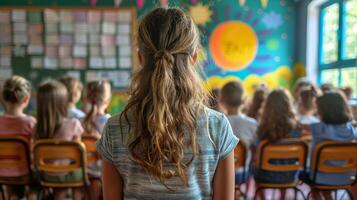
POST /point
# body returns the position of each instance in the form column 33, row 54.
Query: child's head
column 52, row 98
column 232, row 95
column 278, row 118
column 306, row 100
column 299, row 84
column 166, row 93
column 327, row 87
column 16, row 93
column 74, row 88
column 98, row 96
column 255, row 106
column 332, row 108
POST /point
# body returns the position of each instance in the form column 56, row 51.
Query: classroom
column 178, row 99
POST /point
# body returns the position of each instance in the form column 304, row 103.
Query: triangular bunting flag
column 241, row 2
column 264, row 3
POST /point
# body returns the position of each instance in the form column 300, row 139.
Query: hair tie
column 164, row 54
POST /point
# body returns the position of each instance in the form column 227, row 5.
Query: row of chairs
column 298, row 149
column 15, row 156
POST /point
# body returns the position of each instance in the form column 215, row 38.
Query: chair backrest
column 89, row 141
column 53, row 156
column 345, row 153
column 288, row 149
column 15, row 158
column 240, row 155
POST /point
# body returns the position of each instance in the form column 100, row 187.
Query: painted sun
column 201, row 14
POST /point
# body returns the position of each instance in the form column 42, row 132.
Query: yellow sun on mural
column 233, row 45
column 201, row 14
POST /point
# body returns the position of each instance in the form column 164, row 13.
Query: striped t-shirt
column 215, row 138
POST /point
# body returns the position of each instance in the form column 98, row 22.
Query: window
column 338, row 44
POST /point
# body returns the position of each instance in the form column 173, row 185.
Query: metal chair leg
column 309, row 194
column 350, row 194
column 2, row 192
column 257, row 191
column 297, row 190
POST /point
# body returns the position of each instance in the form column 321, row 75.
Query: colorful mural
column 249, row 41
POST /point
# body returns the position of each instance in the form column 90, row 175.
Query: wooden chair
column 47, row 151
column 15, row 155
column 89, row 140
column 289, row 149
column 330, row 151
column 240, row 159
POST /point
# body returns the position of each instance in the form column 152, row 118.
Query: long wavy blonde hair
column 166, row 94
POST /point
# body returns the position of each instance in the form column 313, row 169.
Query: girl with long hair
column 167, row 144
column 53, row 123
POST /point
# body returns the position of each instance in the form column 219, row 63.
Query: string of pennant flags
column 140, row 3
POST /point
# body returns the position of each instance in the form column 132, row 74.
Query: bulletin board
column 89, row 43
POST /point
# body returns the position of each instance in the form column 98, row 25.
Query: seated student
column 278, row 122
column 53, row 122
column 335, row 125
column 301, row 83
column 254, row 108
column 306, row 106
column 74, row 88
column 243, row 127
column 15, row 94
column 98, row 96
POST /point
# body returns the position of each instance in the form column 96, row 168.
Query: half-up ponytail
column 96, row 95
column 166, row 95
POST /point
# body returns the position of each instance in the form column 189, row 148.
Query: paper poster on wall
column 66, row 63
column 5, row 73
column 50, row 63
column 35, row 49
column 5, row 61
column 36, row 62
column 5, row 50
column 124, row 16
column 18, row 15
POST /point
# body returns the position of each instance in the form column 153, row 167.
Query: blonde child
column 15, row 94
column 166, row 144
column 98, row 96
column 74, row 89
column 53, row 122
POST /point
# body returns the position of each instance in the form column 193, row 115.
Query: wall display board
column 89, row 43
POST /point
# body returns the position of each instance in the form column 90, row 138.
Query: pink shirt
column 16, row 125
column 71, row 129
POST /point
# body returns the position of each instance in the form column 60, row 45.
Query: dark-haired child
column 243, row 126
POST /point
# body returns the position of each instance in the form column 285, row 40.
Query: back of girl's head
column 166, row 93
column 232, row 94
column 98, row 93
column 15, row 89
column 278, row 118
column 72, row 85
column 256, row 103
column 52, row 99
column 333, row 108
column 307, row 97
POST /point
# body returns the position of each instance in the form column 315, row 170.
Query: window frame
column 340, row 63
